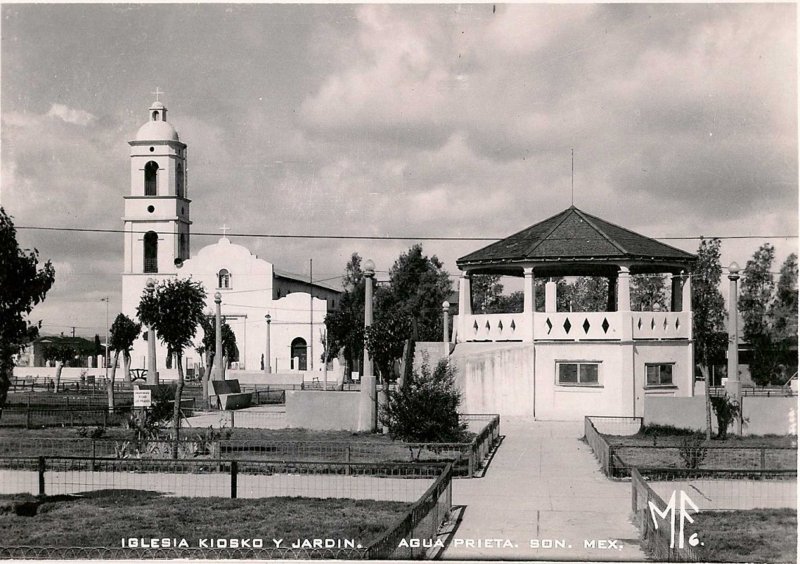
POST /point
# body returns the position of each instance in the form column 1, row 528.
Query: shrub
column 726, row 410
column 425, row 409
column 692, row 451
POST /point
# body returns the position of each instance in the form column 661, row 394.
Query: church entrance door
column 299, row 354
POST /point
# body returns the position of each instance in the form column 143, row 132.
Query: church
column 267, row 309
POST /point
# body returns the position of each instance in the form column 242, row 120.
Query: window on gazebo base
column 578, row 373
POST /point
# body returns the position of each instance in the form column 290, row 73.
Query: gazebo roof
column 574, row 236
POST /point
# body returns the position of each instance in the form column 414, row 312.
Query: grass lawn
column 757, row 535
column 103, row 518
column 637, row 450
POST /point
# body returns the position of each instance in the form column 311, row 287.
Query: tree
column 587, row 293
column 22, row 286
column 174, row 309
column 486, row 293
column 426, row 408
column 418, row 286
column 61, row 353
column 783, row 310
column 647, row 291
column 385, row 340
column 756, row 291
column 208, row 345
column 124, row 332
column 708, row 315
column 755, row 297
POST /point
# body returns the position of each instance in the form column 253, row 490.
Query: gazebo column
column 612, row 293
column 550, row 297
column 624, row 289
column 529, row 303
column 464, row 304
column 676, row 297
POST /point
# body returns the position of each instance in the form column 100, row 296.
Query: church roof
column 304, row 279
column 574, row 236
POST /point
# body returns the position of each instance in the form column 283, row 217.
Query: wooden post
column 347, row 459
column 234, row 477
column 41, row 475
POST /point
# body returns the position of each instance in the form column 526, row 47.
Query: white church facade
column 157, row 243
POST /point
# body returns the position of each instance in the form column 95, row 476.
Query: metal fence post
column 94, row 445
column 233, row 420
column 234, row 477
column 41, row 475
column 347, row 459
column 763, row 458
column 471, row 462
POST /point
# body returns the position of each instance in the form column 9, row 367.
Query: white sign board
column 355, row 376
column 141, row 398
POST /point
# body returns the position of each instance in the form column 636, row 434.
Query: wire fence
column 429, row 487
column 209, row 478
column 467, row 458
column 622, row 426
column 63, row 416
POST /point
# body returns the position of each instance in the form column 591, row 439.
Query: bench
column 229, row 394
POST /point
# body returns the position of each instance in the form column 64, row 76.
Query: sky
column 410, row 121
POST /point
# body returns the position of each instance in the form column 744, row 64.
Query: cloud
column 71, row 115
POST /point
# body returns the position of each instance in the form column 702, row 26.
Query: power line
column 374, row 237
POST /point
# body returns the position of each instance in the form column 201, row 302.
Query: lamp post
column 267, row 367
column 446, row 328
column 105, row 357
column 152, row 372
column 219, row 372
column 367, row 410
column 734, row 385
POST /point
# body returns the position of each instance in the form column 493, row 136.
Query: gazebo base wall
column 522, row 379
column 574, row 326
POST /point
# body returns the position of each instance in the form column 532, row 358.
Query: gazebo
column 556, row 364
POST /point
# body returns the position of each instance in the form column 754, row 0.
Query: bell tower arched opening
column 151, row 252
column 151, row 179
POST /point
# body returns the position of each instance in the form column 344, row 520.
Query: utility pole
column 105, row 357
column 311, row 314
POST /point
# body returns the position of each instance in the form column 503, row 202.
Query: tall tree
column 708, row 317
column 756, row 291
column 419, row 284
column 648, row 291
column 124, row 332
column 783, row 310
column 23, row 284
column 587, row 293
column 755, row 298
column 174, row 308
column 61, row 353
column 486, row 293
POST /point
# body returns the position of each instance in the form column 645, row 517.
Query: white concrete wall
column 613, row 396
column 495, row 377
column 499, row 377
column 763, row 415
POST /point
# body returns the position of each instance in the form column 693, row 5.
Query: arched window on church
column 150, row 179
column 151, row 251
column 179, row 180
column 224, row 278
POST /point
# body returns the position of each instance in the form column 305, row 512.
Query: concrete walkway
column 544, row 485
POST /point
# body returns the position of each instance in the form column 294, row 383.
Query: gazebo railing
column 574, row 326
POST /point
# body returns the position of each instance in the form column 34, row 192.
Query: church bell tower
column 156, row 221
